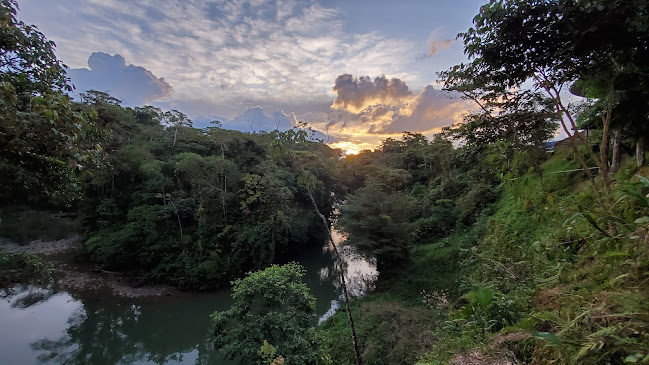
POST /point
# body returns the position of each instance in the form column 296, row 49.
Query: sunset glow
column 266, row 65
column 348, row 148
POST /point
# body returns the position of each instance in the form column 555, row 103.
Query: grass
column 390, row 332
column 397, row 322
column 582, row 297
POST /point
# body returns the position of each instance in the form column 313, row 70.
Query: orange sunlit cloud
column 371, row 110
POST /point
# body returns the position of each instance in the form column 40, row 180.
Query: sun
column 348, row 147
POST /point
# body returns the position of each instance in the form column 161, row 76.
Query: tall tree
column 43, row 140
column 176, row 120
column 552, row 44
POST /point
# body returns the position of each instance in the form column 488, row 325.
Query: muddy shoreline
column 71, row 274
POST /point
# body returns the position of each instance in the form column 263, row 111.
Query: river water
column 47, row 325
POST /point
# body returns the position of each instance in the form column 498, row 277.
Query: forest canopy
column 493, row 245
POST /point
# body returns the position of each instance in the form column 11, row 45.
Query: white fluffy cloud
column 222, row 55
column 227, row 56
column 134, row 85
column 253, row 119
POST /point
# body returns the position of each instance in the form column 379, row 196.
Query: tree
column 27, row 58
column 630, row 110
column 308, row 179
column 379, row 224
column 552, row 44
column 271, row 307
column 176, row 120
column 94, row 97
column 524, row 119
column 43, row 140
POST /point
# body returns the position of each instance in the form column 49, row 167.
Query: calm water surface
column 41, row 325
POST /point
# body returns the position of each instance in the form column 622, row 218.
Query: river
column 48, row 325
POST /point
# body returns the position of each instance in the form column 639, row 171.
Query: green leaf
column 642, row 220
column 615, row 254
column 633, row 358
column 572, row 218
column 620, row 277
column 643, row 180
column 48, row 114
column 547, row 336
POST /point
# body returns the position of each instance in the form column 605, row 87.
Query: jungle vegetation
column 491, row 248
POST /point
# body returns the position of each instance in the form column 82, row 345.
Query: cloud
column 431, row 110
column 437, row 44
column 225, row 55
column 253, row 119
column 387, row 107
column 357, row 94
column 134, row 85
column 437, row 41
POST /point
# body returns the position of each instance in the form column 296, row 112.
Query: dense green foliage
column 23, row 225
column 196, row 208
column 539, row 277
column 44, row 143
column 273, row 316
column 546, row 267
column 414, row 191
column 490, row 249
column 157, row 198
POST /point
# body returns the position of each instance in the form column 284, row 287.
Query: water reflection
column 80, row 328
column 44, row 325
column 360, row 273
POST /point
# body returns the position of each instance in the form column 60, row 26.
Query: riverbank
column 88, row 314
column 66, row 266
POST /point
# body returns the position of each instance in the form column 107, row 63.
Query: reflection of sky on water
column 41, row 326
column 49, row 326
column 360, row 273
column 22, row 325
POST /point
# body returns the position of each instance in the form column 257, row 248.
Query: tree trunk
column 640, row 152
column 615, row 163
column 175, row 135
column 339, row 260
column 562, row 111
column 225, row 184
column 603, row 151
column 180, row 225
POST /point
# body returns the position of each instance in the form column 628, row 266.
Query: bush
column 272, row 315
column 18, row 269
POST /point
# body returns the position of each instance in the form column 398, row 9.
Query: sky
column 356, row 71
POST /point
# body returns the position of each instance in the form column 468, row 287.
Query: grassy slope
column 524, row 284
